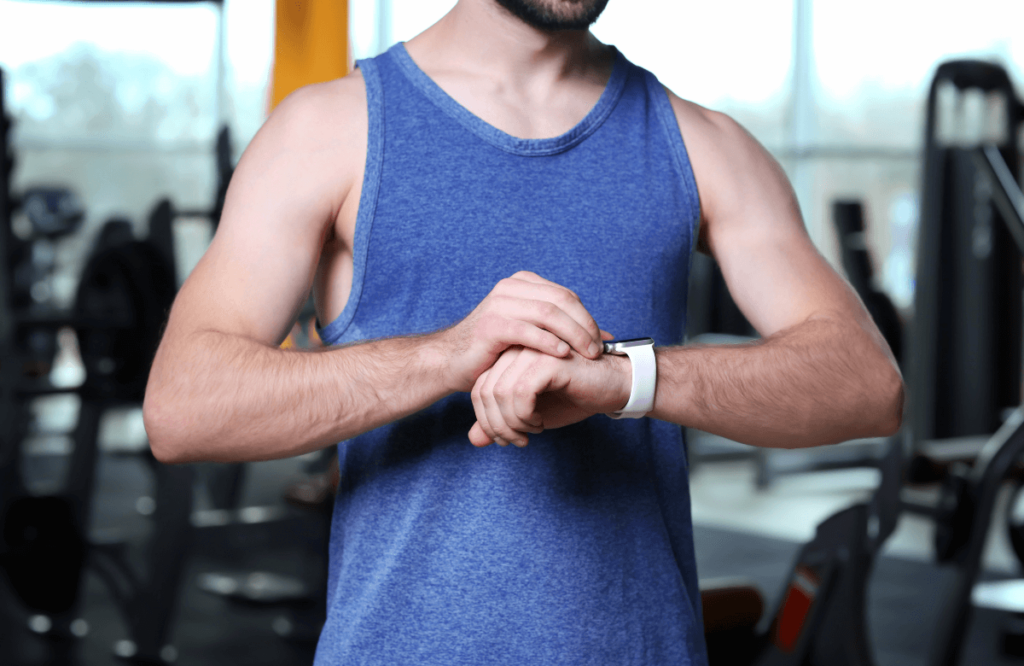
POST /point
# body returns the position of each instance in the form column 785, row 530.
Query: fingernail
column 562, row 348
column 594, row 349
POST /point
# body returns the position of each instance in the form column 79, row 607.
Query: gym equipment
column 52, row 211
column 820, row 616
column 968, row 494
column 124, row 293
column 8, row 359
column 967, row 530
column 965, row 343
column 965, row 363
column 849, row 220
column 122, row 300
column 123, row 297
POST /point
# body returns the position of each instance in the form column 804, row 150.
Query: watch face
column 619, row 346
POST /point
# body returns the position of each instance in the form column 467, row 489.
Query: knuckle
column 544, row 340
column 489, row 305
column 489, row 324
column 548, row 309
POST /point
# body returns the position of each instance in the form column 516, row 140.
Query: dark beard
column 535, row 14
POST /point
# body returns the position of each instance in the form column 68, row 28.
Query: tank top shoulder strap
column 368, row 197
column 657, row 96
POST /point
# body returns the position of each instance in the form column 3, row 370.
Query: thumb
column 477, row 436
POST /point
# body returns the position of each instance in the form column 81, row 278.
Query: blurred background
column 126, row 119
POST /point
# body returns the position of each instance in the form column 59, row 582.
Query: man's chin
column 556, row 15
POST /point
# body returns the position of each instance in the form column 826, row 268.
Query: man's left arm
column 821, row 373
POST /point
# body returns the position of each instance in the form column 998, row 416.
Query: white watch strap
column 645, row 378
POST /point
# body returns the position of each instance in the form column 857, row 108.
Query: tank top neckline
column 500, row 139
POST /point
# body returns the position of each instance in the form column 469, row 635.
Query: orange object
column 310, row 46
column 314, row 337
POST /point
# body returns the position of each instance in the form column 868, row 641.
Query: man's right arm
column 221, row 389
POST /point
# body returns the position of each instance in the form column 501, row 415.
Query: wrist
column 436, row 360
column 623, row 381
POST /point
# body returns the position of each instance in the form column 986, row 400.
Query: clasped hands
column 531, row 356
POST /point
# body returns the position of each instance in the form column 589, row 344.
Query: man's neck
column 481, row 37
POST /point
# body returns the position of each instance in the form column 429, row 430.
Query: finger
column 499, row 427
column 477, row 397
column 481, row 412
column 531, row 286
column 605, row 335
column 477, row 436
column 516, row 332
column 530, row 385
column 547, row 316
column 504, row 394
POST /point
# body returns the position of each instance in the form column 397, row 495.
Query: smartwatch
column 645, row 375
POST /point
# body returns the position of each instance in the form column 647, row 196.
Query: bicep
column 754, row 230
column 280, row 206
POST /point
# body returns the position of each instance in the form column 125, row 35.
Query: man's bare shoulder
column 316, row 135
column 329, row 112
column 734, row 173
column 693, row 116
column 707, row 131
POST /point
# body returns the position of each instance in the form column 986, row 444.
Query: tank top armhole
column 333, row 332
column 677, row 147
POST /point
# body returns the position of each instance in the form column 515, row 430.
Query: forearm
column 230, row 398
column 819, row 382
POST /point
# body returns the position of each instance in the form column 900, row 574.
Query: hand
column 528, row 392
column 524, row 310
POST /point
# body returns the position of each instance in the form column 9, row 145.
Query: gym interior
column 899, row 126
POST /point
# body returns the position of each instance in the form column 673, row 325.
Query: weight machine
column 122, row 300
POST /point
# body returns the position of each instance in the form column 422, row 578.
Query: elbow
column 165, row 436
column 891, row 394
column 898, row 404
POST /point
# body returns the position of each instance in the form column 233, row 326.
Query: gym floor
column 740, row 531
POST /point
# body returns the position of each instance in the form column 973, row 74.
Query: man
column 467, row 208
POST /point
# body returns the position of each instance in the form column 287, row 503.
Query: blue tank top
column 577, row 549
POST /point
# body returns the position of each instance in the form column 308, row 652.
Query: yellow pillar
column 310, row 46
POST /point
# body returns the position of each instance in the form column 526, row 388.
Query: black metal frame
column 999, row 455
column 960, row 388
column 148, row 601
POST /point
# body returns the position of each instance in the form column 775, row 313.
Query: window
column 122, row 101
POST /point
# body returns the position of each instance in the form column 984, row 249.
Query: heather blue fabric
column 577, row 549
